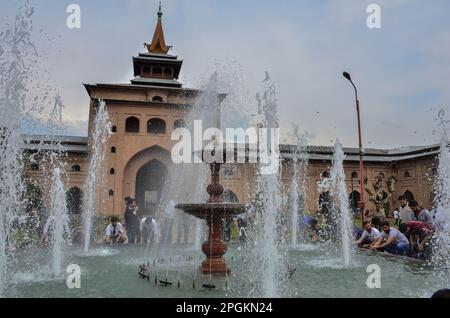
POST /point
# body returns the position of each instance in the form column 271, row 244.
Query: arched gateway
column 144, row 177
column 149, row 185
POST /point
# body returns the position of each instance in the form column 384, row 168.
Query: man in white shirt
column 369, row 236
column 396, row 217
column 150, row 230
column 391, row 241
column 114, row 232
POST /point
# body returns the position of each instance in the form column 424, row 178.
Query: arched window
column 111, row 193
column 76, row 168
column 407, row 174
column 157, row 99
column 34, row 167
column 74, row 199
column 381, row 175
column 112, row 171
column 132, row 125
column 156, row 126
column 354, row 175
column 114, row 129
column 179, row 123
column 354, row 198
column 113, row 149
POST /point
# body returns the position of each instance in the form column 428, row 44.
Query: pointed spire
column 160, row 11
column 158, row 44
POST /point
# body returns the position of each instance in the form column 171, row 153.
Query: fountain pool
column 112, row 272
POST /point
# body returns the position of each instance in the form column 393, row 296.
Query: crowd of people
column 411, row 233
column 136, row 228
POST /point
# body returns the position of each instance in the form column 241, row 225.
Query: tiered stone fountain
column 214, row 211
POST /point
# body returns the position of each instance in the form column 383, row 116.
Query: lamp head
column 347, row 76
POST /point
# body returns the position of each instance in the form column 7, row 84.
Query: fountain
column 340, row 207
column 58, row 222
column 263, row 267
column 298, row 194
column 15, row 50
column 269, row 233
column 100, row 136
column 441, row 252
column 213, row 212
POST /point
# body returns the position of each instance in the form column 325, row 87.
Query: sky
column 402, row 69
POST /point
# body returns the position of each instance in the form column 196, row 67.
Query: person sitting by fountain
column 149, row 230
column 420, row 214
column 114, row 232
column 419, row 234
column 133, row 222
column 391, row 241
column 369, row 236
column 319, row 232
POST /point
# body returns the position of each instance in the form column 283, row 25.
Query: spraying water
column 441, row 251
column 58, row 222
column 268, row 201
column 299, row 189
column 100, row 134
column 15, row 47
column 341, row 210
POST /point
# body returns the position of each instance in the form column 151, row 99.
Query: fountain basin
column 214, row 248
column 219, row 210
column 112, row 272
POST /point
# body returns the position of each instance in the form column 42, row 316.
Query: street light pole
column 361, row 165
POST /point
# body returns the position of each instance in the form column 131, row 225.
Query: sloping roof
column 79, row 145
column 156, row 82
column 71, row 144
column 369, row 154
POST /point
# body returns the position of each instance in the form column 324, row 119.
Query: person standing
column 132, row 222
column 167, row 226
column 405, row 213
column 183, row 229
column 396, row 217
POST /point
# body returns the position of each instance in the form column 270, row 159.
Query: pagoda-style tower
column 157, row 67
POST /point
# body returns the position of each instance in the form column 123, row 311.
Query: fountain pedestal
column 214, row 249
column 214, row 211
